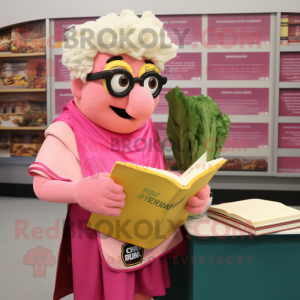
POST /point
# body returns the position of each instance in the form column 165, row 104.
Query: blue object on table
column 236, row 267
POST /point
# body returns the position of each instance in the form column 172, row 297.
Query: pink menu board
column 185, row 66
column 239, row 29
column 162, row 107
column 62, row 97
column 183, row 30
column 241, row 101
column 238, row 66
column 290, row 67
column 63, row 73
column 288, row 165
column 61, row 26
column 161, row 128
column 289, row 136
column 247, row 135
column 289, row 103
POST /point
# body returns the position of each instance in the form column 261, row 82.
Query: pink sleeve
column 54, row 190
column 58, row 157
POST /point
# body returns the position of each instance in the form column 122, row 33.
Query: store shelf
column 288, row 152
column 289, row 85
column 9, row 55
column 22, row 90
column 24, row 128
column 290, row 48
column 245, row 173
column 26, row 160
column 288, row 175
column 289, row 120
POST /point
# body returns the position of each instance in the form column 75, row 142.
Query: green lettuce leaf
column 195, row 126
column 178, row 129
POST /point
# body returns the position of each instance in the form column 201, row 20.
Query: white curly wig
column 80, row 60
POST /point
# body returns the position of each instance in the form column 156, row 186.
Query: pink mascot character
column 116, row 83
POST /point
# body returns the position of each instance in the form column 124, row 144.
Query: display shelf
column 290, row 48
column 288, row 174
column 289, row 85
column 9, row 55
column 288, row 152
column 245, row 173
column 25, row 160
column 273, row 84
column 22, row 90
column 24, row 128
column 16, row 165
column 289, row 120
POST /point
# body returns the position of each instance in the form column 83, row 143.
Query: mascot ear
column 76, row 87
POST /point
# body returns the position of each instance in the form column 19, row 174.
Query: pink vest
column 98, row 150
column 96, row 144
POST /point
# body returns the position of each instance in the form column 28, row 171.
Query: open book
column 155, row 201
column 256, row 216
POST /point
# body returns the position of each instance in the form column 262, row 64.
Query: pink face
column 122, row 115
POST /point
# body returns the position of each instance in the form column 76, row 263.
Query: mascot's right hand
column 100, row 194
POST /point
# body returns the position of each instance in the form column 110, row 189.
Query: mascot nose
column 141, row 103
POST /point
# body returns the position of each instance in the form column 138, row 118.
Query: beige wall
column 18, row 11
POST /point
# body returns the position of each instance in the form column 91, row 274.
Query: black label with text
column 131, row 254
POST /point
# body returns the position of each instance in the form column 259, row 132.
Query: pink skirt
column 93, row 280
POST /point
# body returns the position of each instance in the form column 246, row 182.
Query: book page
column 257, row 211
column 199, row 162
column 165, row 172
column 198, row 167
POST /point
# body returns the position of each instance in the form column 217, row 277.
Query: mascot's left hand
column 197, row 204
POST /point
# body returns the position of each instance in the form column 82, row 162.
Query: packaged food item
column 25, row 144
column 23, row 110
column 245, row 164
column 13, row 75
column 24, row 150
column 5, row 118
column 29, row 38
column 40, row 82
column 24, row 74
column 34, row 115
column 5, row 40
column 294, row 34
column 36, row 73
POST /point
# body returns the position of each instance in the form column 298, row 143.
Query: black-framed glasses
column 119, row 82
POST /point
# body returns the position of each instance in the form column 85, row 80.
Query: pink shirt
column 99, row 148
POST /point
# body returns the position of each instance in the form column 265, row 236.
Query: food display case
column 249, row 77
column 242, row 74
column 23, row 91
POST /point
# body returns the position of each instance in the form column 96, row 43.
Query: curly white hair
column 148, row 40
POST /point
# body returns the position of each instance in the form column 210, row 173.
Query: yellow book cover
column 155, row 201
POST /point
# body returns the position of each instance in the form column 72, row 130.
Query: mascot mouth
column 121, row 112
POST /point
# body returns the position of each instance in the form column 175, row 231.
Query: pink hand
column 100, row 195
column 197, row 204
